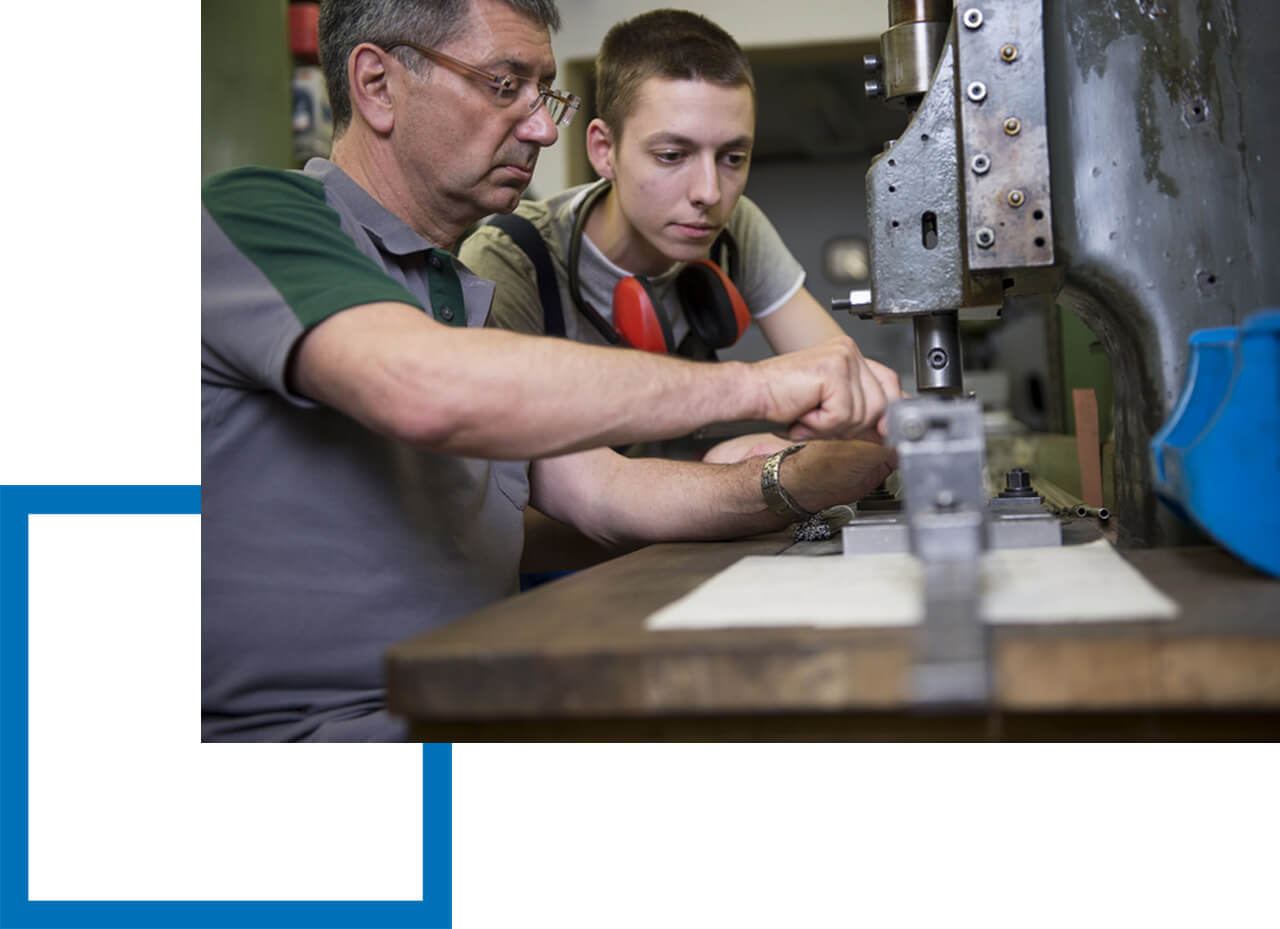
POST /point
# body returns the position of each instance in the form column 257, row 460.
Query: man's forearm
column 530, row 397
column 494, row 394
column 624, row 502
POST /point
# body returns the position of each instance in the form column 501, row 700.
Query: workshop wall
column 757, row 26
column 245, row 78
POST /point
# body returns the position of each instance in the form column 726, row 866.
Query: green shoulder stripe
column 279, row 221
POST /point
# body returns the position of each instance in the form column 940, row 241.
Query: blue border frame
column 17, row 912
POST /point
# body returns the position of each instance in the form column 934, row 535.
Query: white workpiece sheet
column 1069, row 583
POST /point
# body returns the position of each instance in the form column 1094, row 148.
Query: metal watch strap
column 775, row 495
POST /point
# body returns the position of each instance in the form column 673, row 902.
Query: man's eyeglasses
column 508, row 88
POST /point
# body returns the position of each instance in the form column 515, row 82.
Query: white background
column 97, row 385
column 126, row 803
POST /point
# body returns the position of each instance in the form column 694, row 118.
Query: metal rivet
column 977, row 91
column 937, row 358
column 973, row 19
column 872, row 88
column 446, row 313
column 1012, row 125
column 981, row 164
column 1009, row 52
column 1016, row 198
column 945, row 499
column 914, row 429
column 985, row 237
column 872, row 62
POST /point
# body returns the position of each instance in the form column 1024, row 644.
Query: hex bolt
column 985, row 237
column 914, row 429
column 1012, row 126
column 937, row 358
column 973, row 18
column 977, row 91
column 873, row 88
column 1017, row 483
column 981, row 163
column 1008, row 52
column 1016, row 198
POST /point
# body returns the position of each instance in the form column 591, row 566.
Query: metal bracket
column 1004, row 156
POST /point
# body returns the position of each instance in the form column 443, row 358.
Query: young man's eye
column 735, row 159
column 668, row 158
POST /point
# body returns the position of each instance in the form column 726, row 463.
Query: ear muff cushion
column 638, row 318
column 715, row 310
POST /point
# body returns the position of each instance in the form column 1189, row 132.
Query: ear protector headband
column 716, row 312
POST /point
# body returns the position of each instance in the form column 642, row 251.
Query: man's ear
column 600, row 148
column 369, row 80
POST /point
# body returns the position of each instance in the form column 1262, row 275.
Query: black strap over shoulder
column 523, row 233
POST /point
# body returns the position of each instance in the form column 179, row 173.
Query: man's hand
column 811, row 389
column 828, row 391
column 881, row 383
column 824, row 474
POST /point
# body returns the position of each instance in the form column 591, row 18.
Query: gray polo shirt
column 324, row 543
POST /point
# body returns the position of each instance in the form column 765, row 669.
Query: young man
column 673, row 146
column 363, row 435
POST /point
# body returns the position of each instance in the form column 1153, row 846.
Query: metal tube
column 909, row 49
column 1062, row 502
column 916, row 11
column 938, row 354
column 909, row 52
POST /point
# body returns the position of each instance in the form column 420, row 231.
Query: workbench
column 573, row 660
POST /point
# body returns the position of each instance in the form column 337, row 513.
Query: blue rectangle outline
column 17, row 502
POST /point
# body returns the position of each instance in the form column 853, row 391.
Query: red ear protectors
column 716, row 312
column 638, row 317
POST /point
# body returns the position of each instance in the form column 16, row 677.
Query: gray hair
column 344, row 24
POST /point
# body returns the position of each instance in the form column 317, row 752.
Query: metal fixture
column 910, row 48
column 947, row 521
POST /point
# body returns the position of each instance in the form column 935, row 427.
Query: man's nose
column 538, row 127
column 704, row 187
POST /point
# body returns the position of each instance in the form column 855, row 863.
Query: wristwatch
column 775, row 495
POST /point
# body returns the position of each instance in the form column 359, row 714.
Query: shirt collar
column 388, row 230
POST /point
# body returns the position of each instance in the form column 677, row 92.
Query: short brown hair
column 672, row 44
